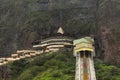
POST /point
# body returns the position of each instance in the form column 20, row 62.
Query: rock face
column 109, row 29
column 24, row 21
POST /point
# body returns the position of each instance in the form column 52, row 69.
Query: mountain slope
column 24, row 21
column 56, row 66
column 109, row 30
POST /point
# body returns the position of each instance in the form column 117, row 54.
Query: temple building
column 50, row 44
column 55, row 43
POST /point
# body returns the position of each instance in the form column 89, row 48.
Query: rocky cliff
column 109, row 30
column 24, row 21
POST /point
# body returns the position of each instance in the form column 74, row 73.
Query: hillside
column 48, row 66
column 56, row 66
column 24, row 21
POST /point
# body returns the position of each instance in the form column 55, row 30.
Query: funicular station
column 84, row 52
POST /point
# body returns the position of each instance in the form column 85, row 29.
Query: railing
column 55, row 40
column 52, row 44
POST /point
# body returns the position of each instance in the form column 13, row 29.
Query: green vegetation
column 106, row 71
column 24, row 21
column 57, row 66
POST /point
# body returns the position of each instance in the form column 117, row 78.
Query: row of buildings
column 20, row 55
column 51, row 44
column 83, row 50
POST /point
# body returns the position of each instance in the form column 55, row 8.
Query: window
column 81, row 54
column 87, row 54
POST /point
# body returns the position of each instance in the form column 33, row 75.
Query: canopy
column 83, row 40
column 83, row 44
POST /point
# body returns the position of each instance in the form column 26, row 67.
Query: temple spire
column 60, row 30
